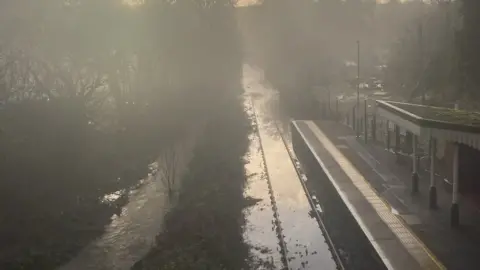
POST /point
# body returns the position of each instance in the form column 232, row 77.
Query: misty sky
column 251, row 2
column 243, row 3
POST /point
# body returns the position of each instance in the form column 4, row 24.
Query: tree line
column 426, row 48
column 90, row 93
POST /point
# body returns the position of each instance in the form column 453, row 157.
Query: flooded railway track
column 303, row 241
column 314, row 204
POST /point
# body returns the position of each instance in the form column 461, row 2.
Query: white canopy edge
column 467, row 138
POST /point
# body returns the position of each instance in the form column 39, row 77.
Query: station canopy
column 442, row 123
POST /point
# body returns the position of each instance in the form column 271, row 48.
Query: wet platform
column 392, row 238
column 457, row 248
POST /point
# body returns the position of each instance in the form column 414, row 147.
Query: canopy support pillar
column 415, row 164
column 454, row 210
column 433, row 187
column 387, row 130
column 397, row 142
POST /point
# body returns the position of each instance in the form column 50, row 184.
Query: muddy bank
column 204, row 230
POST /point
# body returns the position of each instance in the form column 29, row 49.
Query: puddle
column 132, row 232
column 115, row 196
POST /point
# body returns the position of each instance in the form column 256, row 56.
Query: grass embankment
column 204, row 230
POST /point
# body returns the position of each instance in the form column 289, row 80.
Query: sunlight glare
column 133, row 2
column 245, row 3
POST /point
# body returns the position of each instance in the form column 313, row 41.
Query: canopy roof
column 444, row 123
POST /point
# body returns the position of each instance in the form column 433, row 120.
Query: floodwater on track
column 260, row 229
column 279, row 227
column 300, row 235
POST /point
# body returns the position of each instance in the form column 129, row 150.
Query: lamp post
column 358, row 89
column 329, row 107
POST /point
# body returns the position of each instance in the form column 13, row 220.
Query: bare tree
column 170, row 165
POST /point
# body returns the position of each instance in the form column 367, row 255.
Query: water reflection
column 112, row 197
column 259, row 231
column 132, row 232
column 304, row 242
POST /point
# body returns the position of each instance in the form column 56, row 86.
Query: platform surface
column 390, row 235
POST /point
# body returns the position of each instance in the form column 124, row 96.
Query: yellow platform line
column 410, row 241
